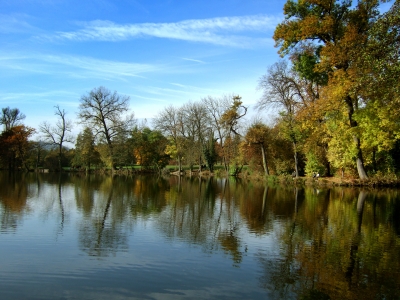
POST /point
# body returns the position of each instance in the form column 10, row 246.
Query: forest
column 335, row 91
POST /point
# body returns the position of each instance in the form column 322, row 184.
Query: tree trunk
column 59, row 157
column 296, row 168
column 362, row 174
column 180, row 164
column 328, row 169
column 226, row 167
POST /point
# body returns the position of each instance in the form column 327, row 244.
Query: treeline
column 336, row 89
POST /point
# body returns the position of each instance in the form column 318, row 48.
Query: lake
column 72, row 236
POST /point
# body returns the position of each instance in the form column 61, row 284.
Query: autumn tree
column 15, row 147
column 338, row 32
column 103, row 111
column 86, row 154
column 149, row 148
column 59, row 134
column 230, row 121
column 259, row 134
column 378, row 67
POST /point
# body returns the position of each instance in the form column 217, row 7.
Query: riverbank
column 375, row 181
column 337, row 181
column 389, row 181
column 385, row 181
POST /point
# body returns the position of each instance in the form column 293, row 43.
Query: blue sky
column 157, row 52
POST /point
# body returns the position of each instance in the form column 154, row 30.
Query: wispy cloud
column 15, row 23
column 245, row 31
column 101, row 67
column 179, row 91
column 194, row 60
column 75, row 66
column 43, row 97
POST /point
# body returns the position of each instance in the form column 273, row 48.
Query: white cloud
column 75, row 66
column 226, row 31
column 194, row 60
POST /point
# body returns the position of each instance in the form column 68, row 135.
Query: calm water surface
column 97, row 237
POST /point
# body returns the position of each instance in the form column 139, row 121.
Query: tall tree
column 59, row 134
column 10, row 117
column 378, row 67
column 231, row 120
column 339, row 31
column 103, row 111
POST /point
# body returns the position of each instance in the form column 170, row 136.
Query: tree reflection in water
column 340, row 244
column 101, row 234
column 13, row 196
column 200, row 211
column 337, row 243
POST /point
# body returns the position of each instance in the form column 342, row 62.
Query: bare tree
column 170, row 123
column 103, row 112
column 197, row 123
column 216, row 107
column 280, row 90
column 10, row 117
column 59, row 134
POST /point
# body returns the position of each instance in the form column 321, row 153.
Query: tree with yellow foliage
column 339, row 32
column 15, row 147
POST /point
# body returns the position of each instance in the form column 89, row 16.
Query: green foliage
column 86, row 154
column 342, row 151
column 283, row 166
column 210, row 153
column 122, row 153
column 52, row 160
column 305, row 65
column 151, row 148
column 313, row 165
